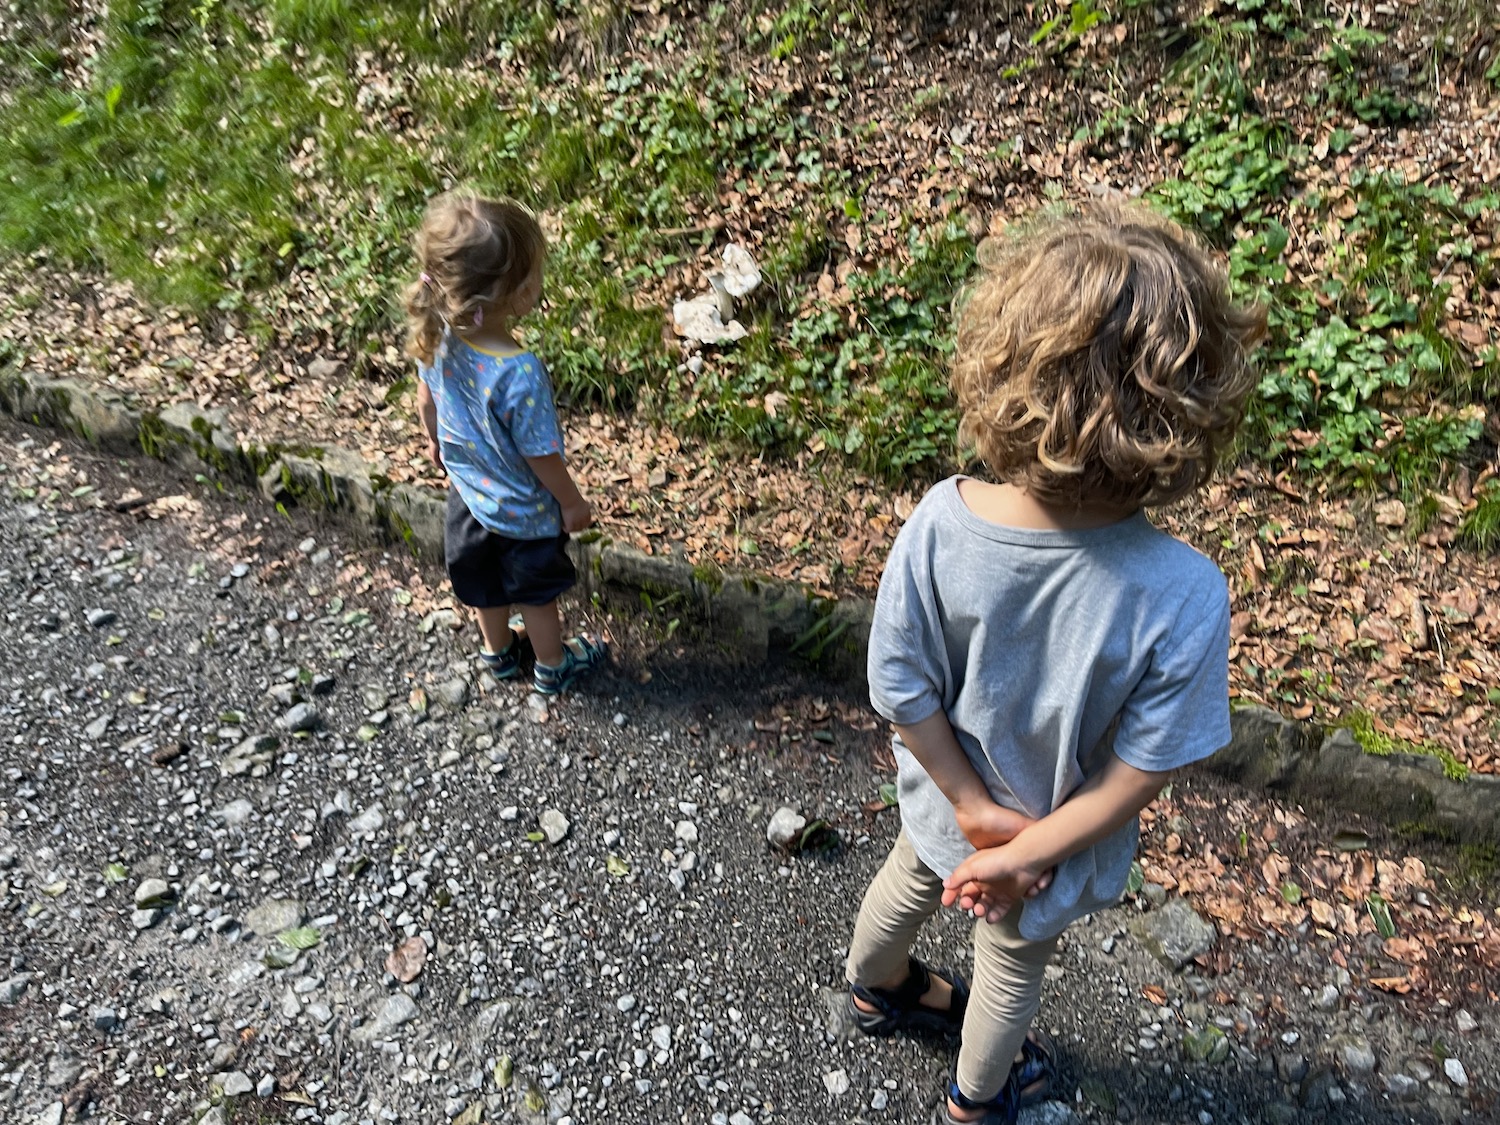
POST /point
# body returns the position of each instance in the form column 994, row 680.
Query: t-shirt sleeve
column 533, row 417
column 1179, row 712
column 907, row 660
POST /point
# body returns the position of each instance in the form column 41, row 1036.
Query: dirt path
column 166, row 841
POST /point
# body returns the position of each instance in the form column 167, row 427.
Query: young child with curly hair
column 486, row 405
column 1046, row 655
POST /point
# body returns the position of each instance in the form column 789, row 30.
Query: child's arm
column 990, row 882
column 427, row 413
column 985, row 823
column 577, row 513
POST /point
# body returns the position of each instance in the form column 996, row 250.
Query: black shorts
column 490, row 571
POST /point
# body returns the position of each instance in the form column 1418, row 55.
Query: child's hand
column 986, row 824
column 990, row 882
column 435, row 451
column 578, row 517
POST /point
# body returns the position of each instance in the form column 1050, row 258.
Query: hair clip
column 426, row 279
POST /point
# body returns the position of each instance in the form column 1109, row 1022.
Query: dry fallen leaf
column 407, row 959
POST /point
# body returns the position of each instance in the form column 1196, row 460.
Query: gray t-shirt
column 1047, row 650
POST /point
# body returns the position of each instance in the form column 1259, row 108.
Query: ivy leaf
column 1380, row 911
column 304, row 937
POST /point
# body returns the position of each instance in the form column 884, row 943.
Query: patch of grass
column 1480, row 528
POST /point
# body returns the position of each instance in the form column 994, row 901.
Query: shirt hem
column 1176, row 762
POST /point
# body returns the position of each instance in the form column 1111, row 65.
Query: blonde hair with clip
column 471, row 252
column 1101, row 360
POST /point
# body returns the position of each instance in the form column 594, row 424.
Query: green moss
column 1479, row 864
column 709, row 574
column 403, row 530
column 152, row 436
column 1361, row 724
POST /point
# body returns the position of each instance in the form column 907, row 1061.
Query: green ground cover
column 231, row 158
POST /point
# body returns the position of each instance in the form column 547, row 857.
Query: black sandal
column 1001, row 1111
column 1036, row 1074
column 901, row 1008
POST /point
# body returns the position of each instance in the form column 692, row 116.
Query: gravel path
column 240, row 770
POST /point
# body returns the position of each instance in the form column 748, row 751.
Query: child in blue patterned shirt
column 486, row 405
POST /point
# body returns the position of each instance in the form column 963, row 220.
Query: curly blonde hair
column 471, row 252
column 1101, row 360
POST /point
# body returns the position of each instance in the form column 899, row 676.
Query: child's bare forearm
column 1098, row 808
column 555, row 478
column 933, row 743
column 427, row 411
column 983, row 822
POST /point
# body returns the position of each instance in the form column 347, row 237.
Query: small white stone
column 785, row 827
column 625, row 1003
column 555, row 826
column 837, row 1082
column 1456, row 1073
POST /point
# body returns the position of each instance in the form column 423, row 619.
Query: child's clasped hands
column 997, row 876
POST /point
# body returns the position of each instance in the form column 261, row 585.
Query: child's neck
column 496, row 338
column 1010, row 506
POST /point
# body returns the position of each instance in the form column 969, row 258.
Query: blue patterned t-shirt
column 493, row 412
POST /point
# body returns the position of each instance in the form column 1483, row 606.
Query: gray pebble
column 302, row 717
column 236, row 1084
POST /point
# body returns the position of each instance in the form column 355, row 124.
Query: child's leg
column 902, row 897
column 558, row 663
column 1007, row 990
column 494, row 627
column 544, row 627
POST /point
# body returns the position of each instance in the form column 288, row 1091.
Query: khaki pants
column 1008, row 969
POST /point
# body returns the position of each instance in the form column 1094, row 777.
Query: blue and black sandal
column 506, row 665
column 1001, row 1111
column 900, row 1009
column 581, row 655
column 1035, row 1074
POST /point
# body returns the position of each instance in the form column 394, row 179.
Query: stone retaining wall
column 749, row 614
